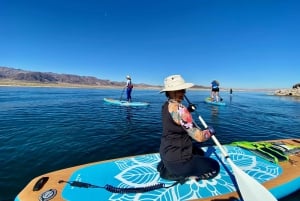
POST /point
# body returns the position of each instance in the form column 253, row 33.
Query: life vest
column 130, row 85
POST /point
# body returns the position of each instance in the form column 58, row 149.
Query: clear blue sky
column 241, row 43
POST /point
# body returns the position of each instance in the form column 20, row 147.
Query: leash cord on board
column 120, row 190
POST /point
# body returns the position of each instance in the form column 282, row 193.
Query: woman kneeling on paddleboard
column 180, row 158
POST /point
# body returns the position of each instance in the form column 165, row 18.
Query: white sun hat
column 128, row 77
column 174, row 83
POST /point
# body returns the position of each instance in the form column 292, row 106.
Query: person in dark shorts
column 215, row 91
column 180, row 157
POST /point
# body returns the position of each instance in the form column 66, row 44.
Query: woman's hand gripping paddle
column 250, row 188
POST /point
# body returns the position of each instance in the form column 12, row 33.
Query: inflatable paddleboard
column 136, row 177
column 209, row 101
column 124, row 103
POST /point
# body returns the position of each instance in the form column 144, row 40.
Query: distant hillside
column 12, row 74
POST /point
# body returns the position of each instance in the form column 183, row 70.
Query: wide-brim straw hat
column 128, row 77
column 175, row 83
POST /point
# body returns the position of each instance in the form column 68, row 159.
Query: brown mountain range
column 13, row 76
column 19, row 76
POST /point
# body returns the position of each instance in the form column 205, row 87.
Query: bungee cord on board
column 122, row 190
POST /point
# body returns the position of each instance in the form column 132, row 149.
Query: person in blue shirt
column 215, row 91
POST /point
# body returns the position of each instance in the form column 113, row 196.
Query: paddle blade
column 250, row 188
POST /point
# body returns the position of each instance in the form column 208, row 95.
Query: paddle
column 221, row 99
column 250, row 189
column 122, row 93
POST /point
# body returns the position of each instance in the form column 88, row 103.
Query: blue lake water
column 46, row 129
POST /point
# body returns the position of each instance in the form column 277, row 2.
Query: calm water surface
column 46, row 129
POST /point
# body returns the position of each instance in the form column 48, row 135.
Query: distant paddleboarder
column 129, row 87
column 215, row 91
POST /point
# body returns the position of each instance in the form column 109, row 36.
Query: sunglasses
column 182, row 91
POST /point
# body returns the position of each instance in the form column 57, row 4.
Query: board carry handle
column 40, row 183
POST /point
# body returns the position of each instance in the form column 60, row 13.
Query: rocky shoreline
column 288, row 92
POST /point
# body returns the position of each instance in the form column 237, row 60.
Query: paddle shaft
column 122, row 93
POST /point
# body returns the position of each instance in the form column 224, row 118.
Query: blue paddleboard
column 124, row 103
column 209, row 101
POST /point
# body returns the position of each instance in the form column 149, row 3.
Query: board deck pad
column 274, row 152
column 140, row 171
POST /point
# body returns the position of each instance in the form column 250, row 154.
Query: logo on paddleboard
column 48, row 195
